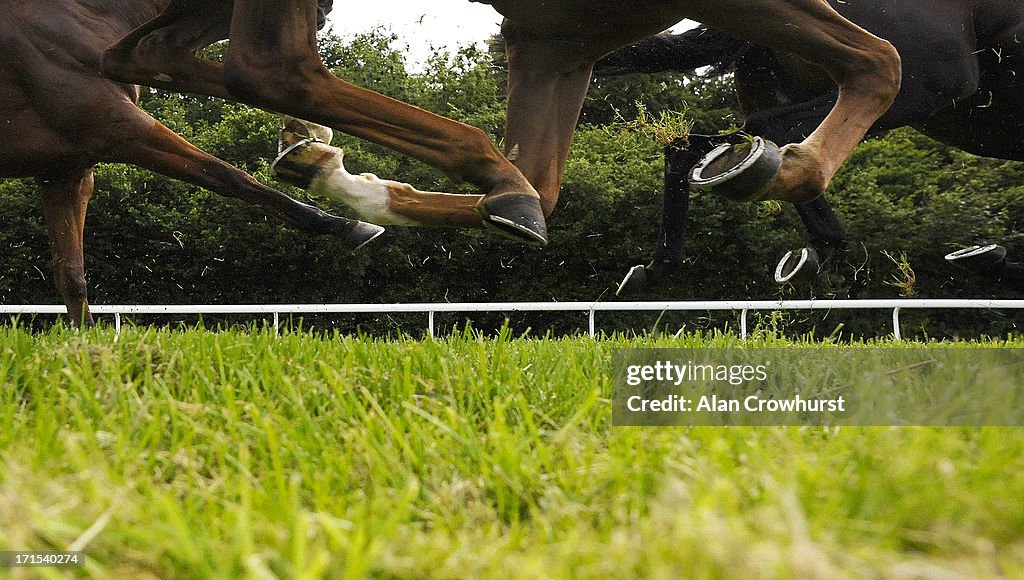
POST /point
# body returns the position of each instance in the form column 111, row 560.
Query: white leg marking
column 367, row 194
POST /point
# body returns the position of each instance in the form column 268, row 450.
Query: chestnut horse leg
column 151, row 145
column 272, row 62
column 547, row 82
column 65, row 199
column 864, row 67
column 162, row 52
column 309, row 161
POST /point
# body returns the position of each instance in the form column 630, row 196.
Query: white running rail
column 590, row 308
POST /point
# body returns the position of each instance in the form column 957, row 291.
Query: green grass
column 228, row 454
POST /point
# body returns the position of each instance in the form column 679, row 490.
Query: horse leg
column 547, row 82
column 162, row 52
column 864, row 67
column 307, row 160
column 827, row 241
column 827, row 235
column 990, row 261
column 65, row 199
column 988, row 124
column 668, row 254
column 272, row 62
column 149, row 144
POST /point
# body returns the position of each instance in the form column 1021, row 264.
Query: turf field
column 240, row 454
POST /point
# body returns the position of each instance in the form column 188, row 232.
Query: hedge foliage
column 154, row 240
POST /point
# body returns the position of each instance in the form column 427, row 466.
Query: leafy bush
column 152, row 239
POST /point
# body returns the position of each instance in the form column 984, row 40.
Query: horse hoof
column 362, row 233
column 515, row 215
column 978, row 258
column 635, row 280
column 737, row 172
column 300, row 163
column 295, row 130
column 798, row 264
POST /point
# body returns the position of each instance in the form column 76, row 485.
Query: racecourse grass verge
column 230, row 454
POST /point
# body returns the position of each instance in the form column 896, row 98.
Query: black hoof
column 635, row 280
column 737, row 172
column 979, row 259
column 361, row 233
column 515, row 215
column 802, row 264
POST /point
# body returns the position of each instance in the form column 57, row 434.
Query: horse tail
column 701, row 46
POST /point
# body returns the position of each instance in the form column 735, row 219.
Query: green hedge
column 154, row 240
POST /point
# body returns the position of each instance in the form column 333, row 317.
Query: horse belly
column 999, row 22
column 596, row 20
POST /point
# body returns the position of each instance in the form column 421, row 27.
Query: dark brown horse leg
column 668, row 254
column 272, row 62
column 827, row 242
column 65, row 199
column 826, row 233
column 161, row 150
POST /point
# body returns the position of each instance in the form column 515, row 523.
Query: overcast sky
column 420, row 24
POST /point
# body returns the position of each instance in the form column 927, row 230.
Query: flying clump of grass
column 666, row 128
column 904, row 280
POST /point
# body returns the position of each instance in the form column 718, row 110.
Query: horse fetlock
column 70, row 282
column 801, row 178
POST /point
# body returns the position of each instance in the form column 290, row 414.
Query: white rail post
column 277, row 321
column 743, row 324
column 896, row 323
column 117, row 324
column 590, row 321
column 430, row 323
